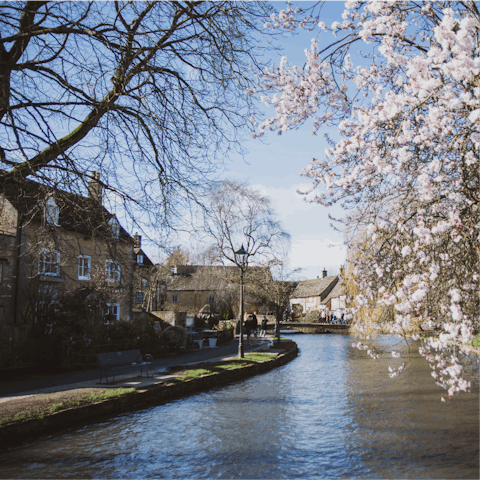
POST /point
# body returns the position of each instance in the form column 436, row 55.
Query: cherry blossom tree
column 405, row 165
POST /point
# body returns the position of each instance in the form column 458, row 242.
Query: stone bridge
column 314, row 327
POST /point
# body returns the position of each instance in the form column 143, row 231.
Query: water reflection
column 329, row 413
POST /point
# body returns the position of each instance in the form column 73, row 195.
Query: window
column 211, row 298
column 140, row 296
column 174, row 299
column 49, row 263
column 112, row 271
column 114, row 225
column 113, row 312
column 140, row 259
column 46, row 306
column 51, row 212
column 84, row 263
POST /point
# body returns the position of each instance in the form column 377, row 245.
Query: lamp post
column 241, row 260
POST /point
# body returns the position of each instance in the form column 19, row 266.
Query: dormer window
column 140, row 259
column 115, row 226
column 51, row 212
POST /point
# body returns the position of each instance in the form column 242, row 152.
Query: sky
column 273, row 165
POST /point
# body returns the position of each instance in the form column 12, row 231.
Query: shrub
column 174, row 336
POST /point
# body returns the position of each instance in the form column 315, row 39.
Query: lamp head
column 241, row 256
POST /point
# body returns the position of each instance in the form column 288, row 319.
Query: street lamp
column 241, row 257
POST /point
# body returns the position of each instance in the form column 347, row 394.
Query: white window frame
column 115, row 226
column 140, row 259
column 52, row 212
column 81, row 267
column 109, row 277
column 113, row 305
column 174, row 298
column 42, row 263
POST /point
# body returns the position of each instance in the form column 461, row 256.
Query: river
column 332, row 412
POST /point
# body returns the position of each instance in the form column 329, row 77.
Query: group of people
column 330, row 317
column 251, row 326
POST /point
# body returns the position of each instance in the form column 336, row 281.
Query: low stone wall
column 155, row 395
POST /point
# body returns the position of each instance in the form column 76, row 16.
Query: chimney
column 342, row 271
column 324, row 273
column 137, row 240
column 95, row 189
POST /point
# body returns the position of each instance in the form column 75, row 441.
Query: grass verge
column 215, row 368
column 23, row 408
column 37, row 406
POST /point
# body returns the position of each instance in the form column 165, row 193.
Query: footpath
column 33, row 405
column 36, row 383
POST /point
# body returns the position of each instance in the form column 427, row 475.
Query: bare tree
column 240, row 215
column 149, row 94
column 276, row 285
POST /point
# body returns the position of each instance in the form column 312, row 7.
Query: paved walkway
column 34, row 384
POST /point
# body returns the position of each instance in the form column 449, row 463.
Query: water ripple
column 329, row 413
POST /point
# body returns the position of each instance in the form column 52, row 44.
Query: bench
column 113, row 362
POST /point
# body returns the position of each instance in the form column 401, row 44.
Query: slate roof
column 313, row 288
column 208, row 278
column 337, row 291
column 81, row 214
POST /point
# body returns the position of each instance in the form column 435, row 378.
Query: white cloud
column 315, row 254
column 309, row 226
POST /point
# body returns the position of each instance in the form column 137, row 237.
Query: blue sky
column 274, row 163
column 273, row 168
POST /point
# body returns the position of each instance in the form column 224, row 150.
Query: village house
column 335, row 300
column 310, row 295
column 211, row 289
column 145, row 298
column 54, row 242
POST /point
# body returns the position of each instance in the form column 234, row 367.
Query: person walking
column 254, row 324
column 263, row 333
column 248, row 327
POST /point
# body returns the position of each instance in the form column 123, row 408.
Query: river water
column 332, row 412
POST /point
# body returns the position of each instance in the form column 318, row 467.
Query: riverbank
column 41, row 414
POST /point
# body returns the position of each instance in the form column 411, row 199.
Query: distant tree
column 178, row 257
column 237, row 215
column 275, row 284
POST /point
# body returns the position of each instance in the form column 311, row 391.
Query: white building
column 311, row 294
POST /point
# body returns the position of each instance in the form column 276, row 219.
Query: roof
column 337, row 291
column 76, row 212
column 314, row 288
column 209, row 277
